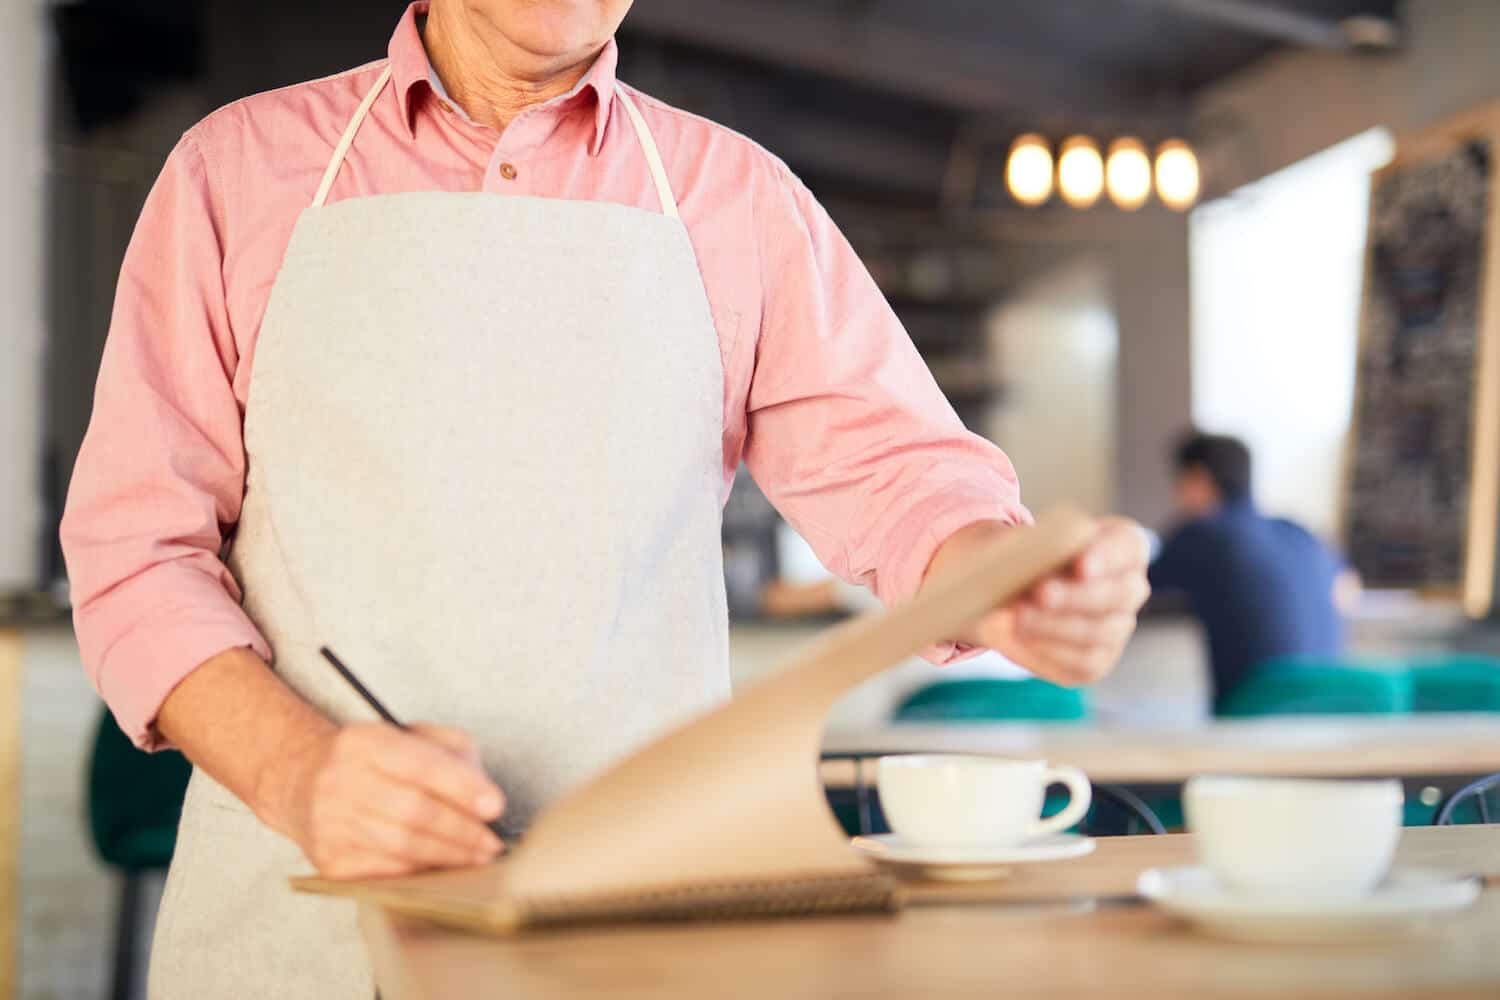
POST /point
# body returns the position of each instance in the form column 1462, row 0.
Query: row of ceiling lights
column 1083, row 174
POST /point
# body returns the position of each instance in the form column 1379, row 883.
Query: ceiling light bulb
column 1028, row 171
column 1080, row 171
column 1177, row 178
column 1127, row 174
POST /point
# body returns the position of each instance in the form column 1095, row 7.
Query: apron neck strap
column 347, row 139
column 653, row 156
column 643, row 134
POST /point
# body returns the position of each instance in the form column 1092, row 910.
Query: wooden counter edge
column 1133, row 765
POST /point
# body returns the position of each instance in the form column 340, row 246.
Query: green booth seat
column 992, row 699
column 1457, row 682
column 1417, row 813
column 1305, row 687
column 134, row 803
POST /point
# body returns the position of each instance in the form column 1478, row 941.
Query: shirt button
column 507, row 171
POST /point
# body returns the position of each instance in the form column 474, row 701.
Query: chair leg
column 862, row 799
column 1131, row 806
column 127, row 922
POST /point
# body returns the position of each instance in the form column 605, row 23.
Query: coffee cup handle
column 1080, row 795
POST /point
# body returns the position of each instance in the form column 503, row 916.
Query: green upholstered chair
column 135, row 801
column 1459, row 682
column 1297, row 687
column 989, row 699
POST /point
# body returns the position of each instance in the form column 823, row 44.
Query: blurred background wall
column 23, row 86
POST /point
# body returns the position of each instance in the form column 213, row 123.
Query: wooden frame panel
column 1475, row 579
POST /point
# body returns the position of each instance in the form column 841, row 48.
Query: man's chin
column 548, row 36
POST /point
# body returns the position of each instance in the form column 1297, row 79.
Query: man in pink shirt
column 447, row 362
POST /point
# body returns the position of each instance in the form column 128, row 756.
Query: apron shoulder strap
column 653, row 156
column 643, row 134
column 347, row 139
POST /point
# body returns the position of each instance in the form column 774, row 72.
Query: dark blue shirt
column 1262, row 587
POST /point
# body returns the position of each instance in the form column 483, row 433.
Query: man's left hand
column 1071, row 627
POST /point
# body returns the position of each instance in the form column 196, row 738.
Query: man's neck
column 488, row 76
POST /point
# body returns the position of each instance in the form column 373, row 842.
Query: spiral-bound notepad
column 724, row 816
column 454, row 904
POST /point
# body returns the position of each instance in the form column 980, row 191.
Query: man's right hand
column 360, row 800
column 368, row 799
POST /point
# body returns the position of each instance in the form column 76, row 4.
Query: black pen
column 385, row 713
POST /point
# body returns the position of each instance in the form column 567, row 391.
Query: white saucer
column 969, row 863
column 1406, row 901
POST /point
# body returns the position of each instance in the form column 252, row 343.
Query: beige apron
column 483, row 441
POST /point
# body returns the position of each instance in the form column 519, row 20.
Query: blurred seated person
column 1263, row 587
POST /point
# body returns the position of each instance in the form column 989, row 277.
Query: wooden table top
column 1330, row 746
column 967, row 941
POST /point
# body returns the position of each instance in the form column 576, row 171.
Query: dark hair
column 1224, row 458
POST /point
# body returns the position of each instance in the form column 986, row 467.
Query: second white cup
column 962, row 800
column 1295, row 837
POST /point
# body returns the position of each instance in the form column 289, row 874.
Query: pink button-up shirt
column 824, row 396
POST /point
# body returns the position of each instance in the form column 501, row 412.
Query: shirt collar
column 410, row 69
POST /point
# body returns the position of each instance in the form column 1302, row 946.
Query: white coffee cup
column 961, row 800
column 1295, row 837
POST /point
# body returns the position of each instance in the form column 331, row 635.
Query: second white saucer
column 1407, row 900
column 970, row 863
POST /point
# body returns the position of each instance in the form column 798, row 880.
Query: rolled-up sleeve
column 160, row 477
column 848, row 434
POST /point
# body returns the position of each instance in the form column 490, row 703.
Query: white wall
column 22, row 88
column 1276, row 274
column 1056, row 345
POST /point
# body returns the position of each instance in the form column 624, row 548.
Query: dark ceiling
column 1134, row 48
column 865, row 98
column 1005, row 54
